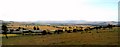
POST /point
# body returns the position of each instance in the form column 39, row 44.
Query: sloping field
column 31, row 27
column 106, row 37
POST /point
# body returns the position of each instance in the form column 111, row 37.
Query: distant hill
column 102, row 23
column 70, row 22
column 61, row 22
column 79, row 22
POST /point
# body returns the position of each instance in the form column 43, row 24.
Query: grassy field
column 106, row 37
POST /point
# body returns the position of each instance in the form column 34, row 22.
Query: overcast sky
column 58, row 10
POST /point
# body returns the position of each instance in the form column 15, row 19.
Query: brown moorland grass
column 106, row 37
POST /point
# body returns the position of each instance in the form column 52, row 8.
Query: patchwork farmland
column 61, row 35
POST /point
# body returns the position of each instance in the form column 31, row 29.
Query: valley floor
column 106, row 37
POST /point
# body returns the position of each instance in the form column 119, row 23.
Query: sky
column 59, row 10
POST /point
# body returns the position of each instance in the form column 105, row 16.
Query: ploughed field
column 104, row 37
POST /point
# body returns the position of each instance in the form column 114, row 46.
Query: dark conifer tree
column 37, row 28
column 5, row 29
column 34, row 28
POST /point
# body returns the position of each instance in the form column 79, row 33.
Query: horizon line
column 51, row 20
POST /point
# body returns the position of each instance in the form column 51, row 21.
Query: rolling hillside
column 106, row 37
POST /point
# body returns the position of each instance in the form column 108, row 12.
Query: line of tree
column 36, row 28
